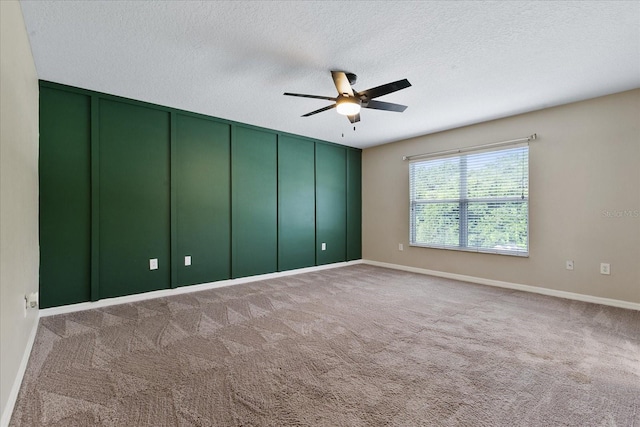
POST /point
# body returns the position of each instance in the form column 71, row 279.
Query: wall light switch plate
column 324, row 246
column 569, row 265
column 400, row 247
column 605, row 268
column 153, row 264
column 187, row 260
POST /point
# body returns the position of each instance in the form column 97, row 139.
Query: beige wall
column 585, row 162
column 19, row 253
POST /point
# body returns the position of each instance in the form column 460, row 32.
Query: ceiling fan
column 348, row 102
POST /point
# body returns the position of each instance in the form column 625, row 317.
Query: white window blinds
column 476, row 201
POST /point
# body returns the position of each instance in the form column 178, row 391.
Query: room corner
column 19, row 254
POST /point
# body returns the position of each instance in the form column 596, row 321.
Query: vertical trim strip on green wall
column 315, row 202
column 173, row 152
column 315, row 198
column 95, row 198
column 277, row 203
column 232, row 240
column 346, row 204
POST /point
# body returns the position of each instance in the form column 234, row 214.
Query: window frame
column 463, row 206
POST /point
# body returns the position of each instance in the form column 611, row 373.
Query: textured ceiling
column 468, row 61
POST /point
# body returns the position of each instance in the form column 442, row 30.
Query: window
column 475, row 202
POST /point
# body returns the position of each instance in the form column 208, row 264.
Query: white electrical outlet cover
column 324, row 246
column 569, row 265
column 605, row 268
column 187, row 260
column 32, row 300
column 153, row 264
column 400, row 247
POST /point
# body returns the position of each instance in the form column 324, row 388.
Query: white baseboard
column 185, row 289
column 509, row 285
column 15, row 388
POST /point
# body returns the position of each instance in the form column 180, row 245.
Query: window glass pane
column 498, row 174
column 498, row 226
column 437, row 224
column 436, row 179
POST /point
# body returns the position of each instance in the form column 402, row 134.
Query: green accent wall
column 296, row 203
column 134, row 199
column 354, row 205
column 331, row 204
column 203, row 199
column 123, row 181
column 65, row 194
column 254, row 202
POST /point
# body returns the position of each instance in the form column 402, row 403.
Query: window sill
column 481, row 251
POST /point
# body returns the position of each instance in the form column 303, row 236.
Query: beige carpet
column 353, row 346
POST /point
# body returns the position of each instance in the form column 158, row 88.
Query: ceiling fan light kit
column 348, row 105
column 349, row 102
